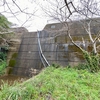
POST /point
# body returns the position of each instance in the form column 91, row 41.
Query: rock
column 14, row 41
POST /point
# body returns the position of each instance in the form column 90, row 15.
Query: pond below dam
column 10, row 79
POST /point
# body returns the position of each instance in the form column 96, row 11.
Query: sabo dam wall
column 56, row 46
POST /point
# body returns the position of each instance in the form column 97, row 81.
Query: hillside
column 56, row 84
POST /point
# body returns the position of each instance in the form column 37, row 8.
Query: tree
column 4, row 26
column 4, row 23
column 69, row 10
column 64, row 11
column 15, row 9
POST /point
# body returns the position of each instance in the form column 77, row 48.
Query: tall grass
column 56, row 84
column 3, row 65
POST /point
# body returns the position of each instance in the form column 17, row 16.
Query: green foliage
column 3, row 56
column 81, row 66
column 5, row 48
column 3, row 65
column 56, row 84
column 92, row 61
column 4, row 23
column 56, row 65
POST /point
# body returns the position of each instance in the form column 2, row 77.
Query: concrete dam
column 55, row 45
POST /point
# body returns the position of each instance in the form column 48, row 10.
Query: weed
column 56, row 84
column 92, row 61
column 3, row 65
column 3, row 56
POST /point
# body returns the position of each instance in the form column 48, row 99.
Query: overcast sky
column 34, row 22
column 35, row 19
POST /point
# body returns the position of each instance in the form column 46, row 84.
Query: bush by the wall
column 92, row 61
column 3, row 56
column 3, row 65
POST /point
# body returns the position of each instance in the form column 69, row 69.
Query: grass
column 56, row 84
column 3, row 65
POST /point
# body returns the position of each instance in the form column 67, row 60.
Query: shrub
column 56, row 65
column 3, row 56
column 3, row 65
column 92, row 61
column 81, row 66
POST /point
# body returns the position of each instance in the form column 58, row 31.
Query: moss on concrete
column 12, row 63
column 14, row 56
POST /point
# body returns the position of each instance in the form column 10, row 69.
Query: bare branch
column 66, row 3
column 83, row 42
column 5, row 41
column 11, row 11
column 74, row 42
column 3, row 3
column 89, row 32
column 21, row 9
column 6, row 32
column 97, row 38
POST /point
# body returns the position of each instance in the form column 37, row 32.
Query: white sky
column 38, row 20
column 35, row 23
